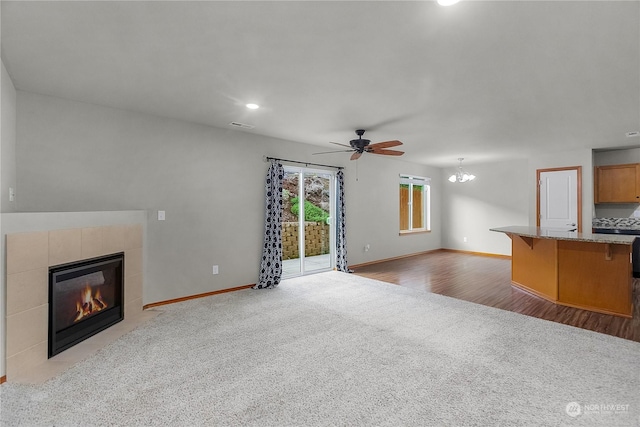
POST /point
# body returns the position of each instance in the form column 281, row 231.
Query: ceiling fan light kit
column 360, row 145
column 461, row 175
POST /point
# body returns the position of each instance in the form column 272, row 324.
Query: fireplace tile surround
column 29, row 256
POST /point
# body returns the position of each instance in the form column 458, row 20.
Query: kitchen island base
column 596, row 277
column 574, row 269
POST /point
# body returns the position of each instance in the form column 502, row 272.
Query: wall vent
column 241, row 125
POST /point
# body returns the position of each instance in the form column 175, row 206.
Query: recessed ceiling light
column 253, row 106
column 447, row 2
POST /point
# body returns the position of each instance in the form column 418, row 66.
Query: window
column 415, row 195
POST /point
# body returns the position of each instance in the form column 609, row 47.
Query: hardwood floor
column 487, row 280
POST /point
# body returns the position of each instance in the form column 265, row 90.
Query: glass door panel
column 291, row 262
column 307, row 229
column 317, row 228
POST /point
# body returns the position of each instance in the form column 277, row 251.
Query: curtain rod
column 266, row 158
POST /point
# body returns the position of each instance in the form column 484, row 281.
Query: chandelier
column 461, row 175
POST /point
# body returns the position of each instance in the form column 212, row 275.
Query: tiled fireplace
column 29, row 258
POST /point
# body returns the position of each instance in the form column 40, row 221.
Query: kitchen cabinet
column 617, row 183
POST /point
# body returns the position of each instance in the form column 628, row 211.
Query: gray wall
column 616, row 157
column 79, row 157
column 8, row 148
column 498, row 197
column 7, row 178
column 374, row 220
column 505, row 194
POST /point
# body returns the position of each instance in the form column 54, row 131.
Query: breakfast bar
column 583, row 270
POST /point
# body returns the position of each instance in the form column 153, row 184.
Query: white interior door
column 559, row 199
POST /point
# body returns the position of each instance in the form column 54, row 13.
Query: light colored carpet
column 338, row 349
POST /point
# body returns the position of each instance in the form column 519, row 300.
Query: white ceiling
column 480, row 80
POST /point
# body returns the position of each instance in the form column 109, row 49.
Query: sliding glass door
column 308, row 230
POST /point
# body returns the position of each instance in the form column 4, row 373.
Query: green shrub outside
column 312, row 213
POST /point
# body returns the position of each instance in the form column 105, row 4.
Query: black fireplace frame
column 74, row 334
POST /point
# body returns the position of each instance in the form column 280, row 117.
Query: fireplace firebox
column 85, row 297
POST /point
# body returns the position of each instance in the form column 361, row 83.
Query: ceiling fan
column 361, row 145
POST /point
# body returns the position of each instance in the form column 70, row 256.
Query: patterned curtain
column 271, row 265
column 341, row 234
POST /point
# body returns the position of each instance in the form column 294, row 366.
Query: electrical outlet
column 12, row 194
column 160, row 215
column 215, row 269
column 367, row 247
column 464, row 239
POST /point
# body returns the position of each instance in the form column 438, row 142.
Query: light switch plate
column 160, row 215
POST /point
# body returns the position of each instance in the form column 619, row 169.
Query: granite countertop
column 550, row 233
column 616, row 223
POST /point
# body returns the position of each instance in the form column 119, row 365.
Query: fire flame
column 89, row 304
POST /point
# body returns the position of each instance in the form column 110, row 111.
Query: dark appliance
column 635, row 256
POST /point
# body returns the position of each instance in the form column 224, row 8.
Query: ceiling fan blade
column 386, row 144
column 356, row 155
column 337, row 143
column 338, row 151
column 386, row 152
